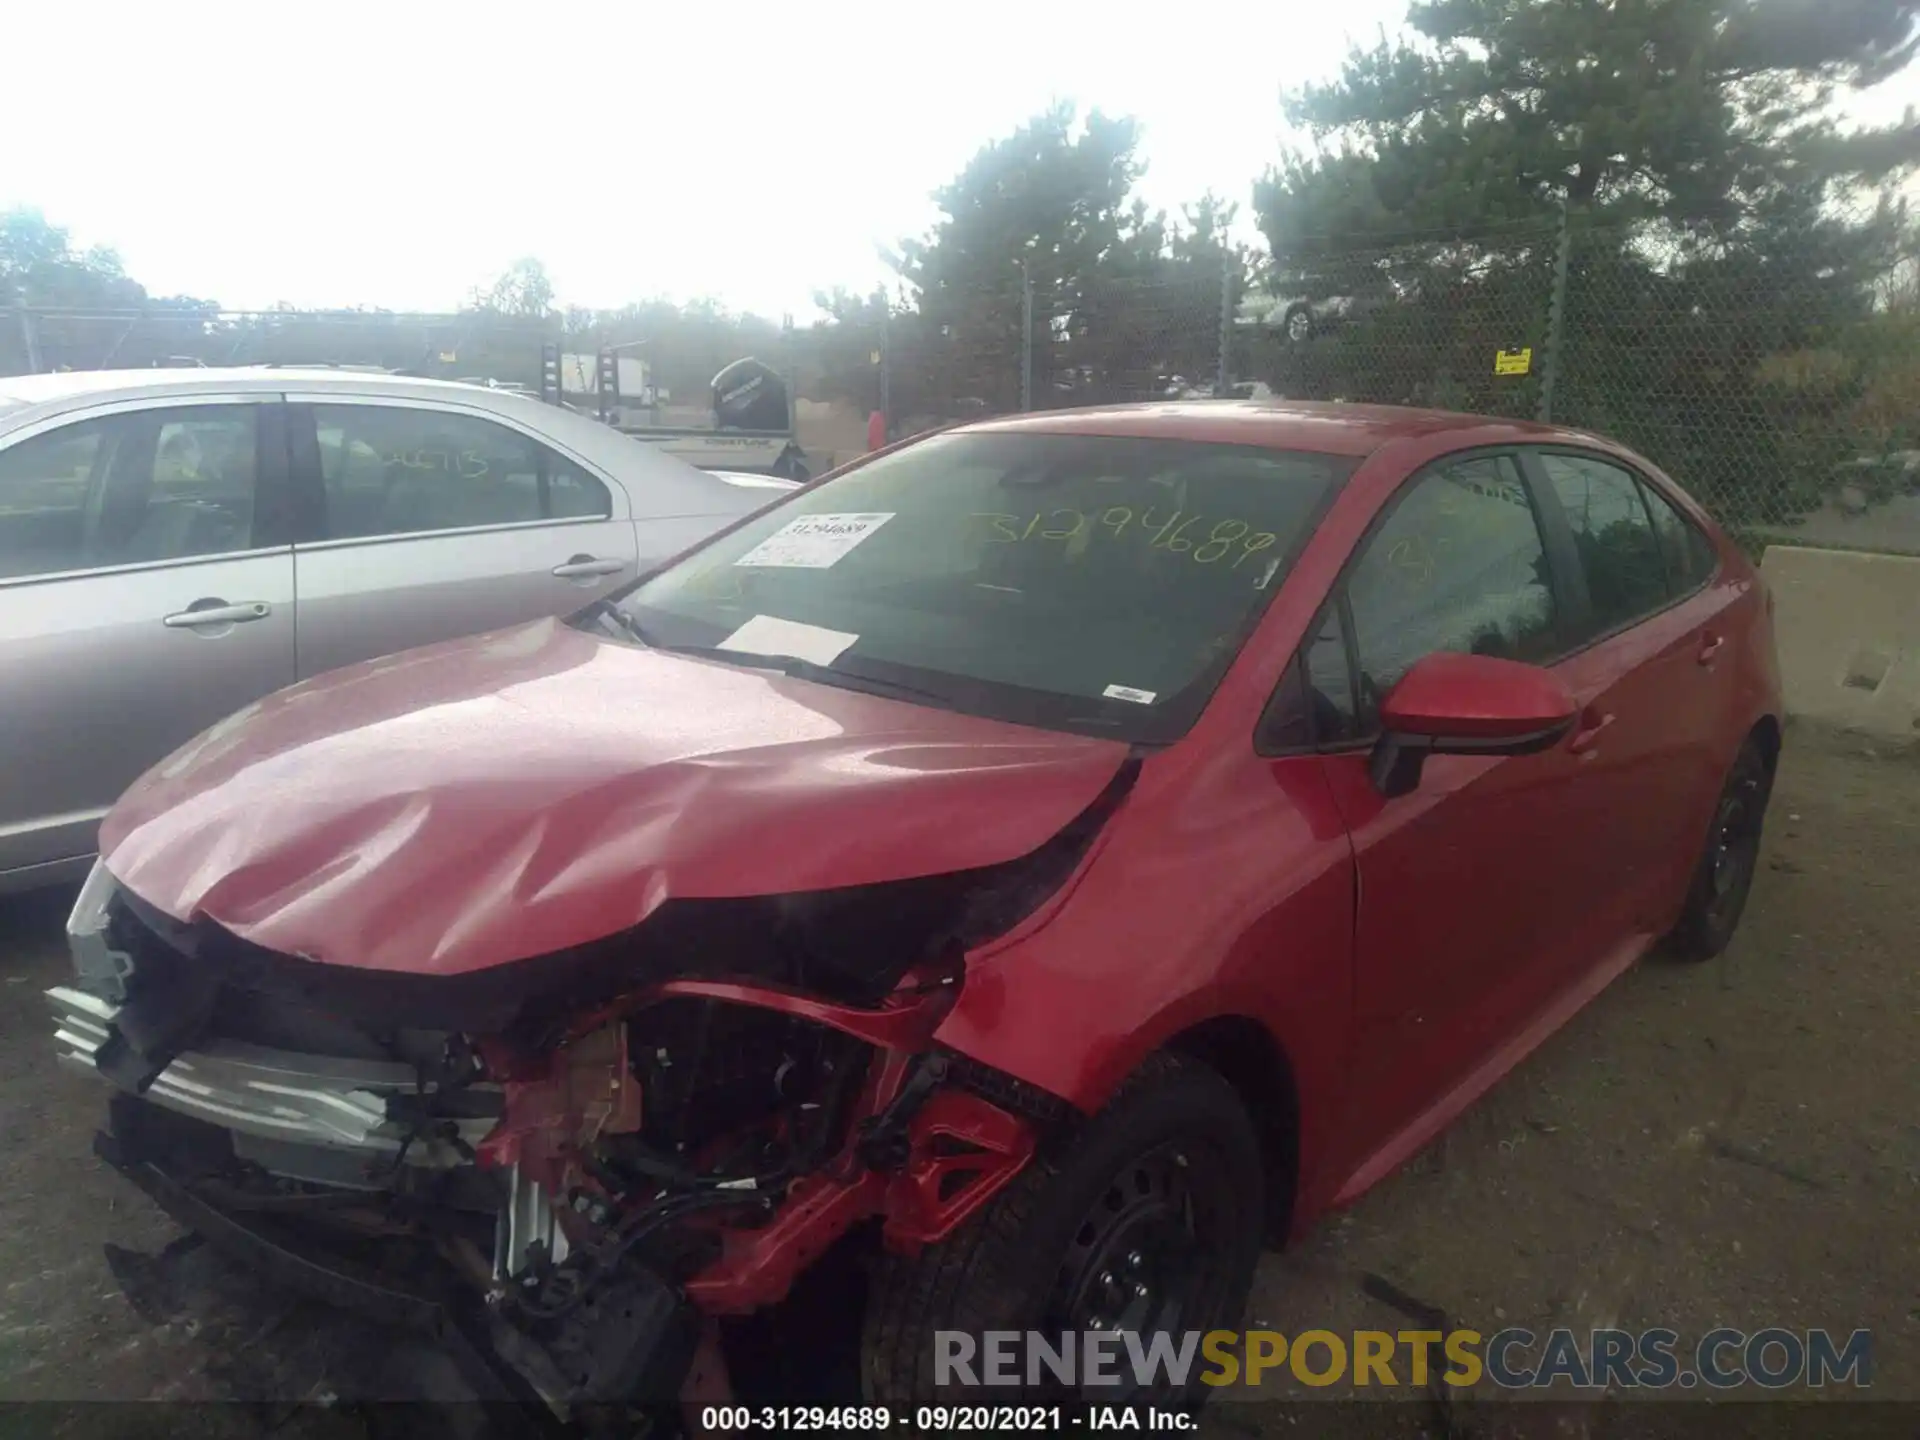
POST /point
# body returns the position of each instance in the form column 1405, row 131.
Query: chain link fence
column 1780, row 384
column 1781, row 389
column 1785, row 396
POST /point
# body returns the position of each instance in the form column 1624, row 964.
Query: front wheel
column 1150, row 1220
column 1724, row 875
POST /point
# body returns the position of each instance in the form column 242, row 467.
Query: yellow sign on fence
column 1513, row 362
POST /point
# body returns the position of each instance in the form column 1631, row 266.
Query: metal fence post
column 886, row 364
column 1556, row 318
column 790, row 345
column 1222, row 370
column 1026, row 337
column 30, row 339
column 790, row 362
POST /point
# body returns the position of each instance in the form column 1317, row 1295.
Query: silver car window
column 128, row 489
column 403, row 470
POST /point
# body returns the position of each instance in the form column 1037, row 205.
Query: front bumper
column 280, row 1255
column 325, row 1119
column 308, row 1117
column 919, row 1152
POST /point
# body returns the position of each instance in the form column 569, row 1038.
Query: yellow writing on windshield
column 1176, row 531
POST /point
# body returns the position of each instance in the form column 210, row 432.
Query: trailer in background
column 747, row 423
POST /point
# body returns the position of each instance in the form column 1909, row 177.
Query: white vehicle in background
column 1295, row 316
column 1280, row 301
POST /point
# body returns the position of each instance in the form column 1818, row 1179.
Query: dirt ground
column 1736, row 1143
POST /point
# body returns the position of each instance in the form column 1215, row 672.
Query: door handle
column 1585, row 738
column 1710, row 644
column 585, row 567
column 217, row 612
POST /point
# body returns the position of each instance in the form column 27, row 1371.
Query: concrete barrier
column 1848, row 627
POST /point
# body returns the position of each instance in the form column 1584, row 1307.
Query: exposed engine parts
column 582, row 1193
column 576, row 1165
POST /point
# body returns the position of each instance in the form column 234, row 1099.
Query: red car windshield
column 1093, row 583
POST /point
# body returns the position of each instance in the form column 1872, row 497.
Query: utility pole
column 1556, row 317
column 886, row 361
column 1026, row 336
column 1227, row 267
column 29, row 331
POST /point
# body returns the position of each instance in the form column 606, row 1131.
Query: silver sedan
column 176, row 544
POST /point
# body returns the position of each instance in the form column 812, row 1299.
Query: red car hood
column 478, row 802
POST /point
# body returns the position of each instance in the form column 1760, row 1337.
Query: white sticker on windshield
column 770, row 635
column 813, row 542
column 1127, row 692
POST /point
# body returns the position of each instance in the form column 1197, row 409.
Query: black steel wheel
column 1150, row 1219
column 1724, row 876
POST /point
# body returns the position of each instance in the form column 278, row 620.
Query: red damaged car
column 1054, row 858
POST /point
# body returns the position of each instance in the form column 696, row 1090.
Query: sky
column 400, row 154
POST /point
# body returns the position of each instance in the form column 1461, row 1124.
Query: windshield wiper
column 623, row 620
column 852, row 680
column 791, row 665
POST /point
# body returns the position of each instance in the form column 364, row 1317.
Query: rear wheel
column 1724, row 876
column 1150, row 1220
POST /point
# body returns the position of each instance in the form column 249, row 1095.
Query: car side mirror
column 1466, row 705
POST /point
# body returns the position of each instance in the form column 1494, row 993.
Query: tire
column 1159, row 1196
column 1724, row 876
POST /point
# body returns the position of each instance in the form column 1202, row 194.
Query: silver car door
column 669, row 519
column 146, row 591
column 437, row 520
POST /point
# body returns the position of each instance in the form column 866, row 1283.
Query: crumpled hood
column 485, row 800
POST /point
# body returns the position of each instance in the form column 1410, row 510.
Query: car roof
column 71, row 385
column 754, row 480
column 1326, row 427
column 676, row 487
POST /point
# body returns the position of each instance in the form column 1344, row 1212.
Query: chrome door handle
column 218, row 614
column 585, row 567
column 1710, row 644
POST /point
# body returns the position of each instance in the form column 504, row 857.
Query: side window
column 126, row 489
column 402, row 470
column 1626, row 574
column 1329, row 681
column 1285, row 726
column 1689, row 554
column 1458, row 565
column 1314, row 704
column 46, row 483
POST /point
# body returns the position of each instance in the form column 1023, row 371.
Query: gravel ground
column 1734, row 1143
